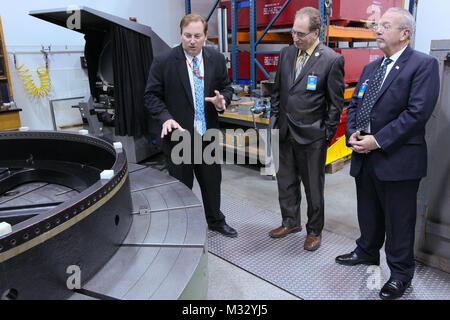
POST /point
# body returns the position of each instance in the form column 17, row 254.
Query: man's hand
column 354, row 138
column 168, row 126
column 362, row 144
column 367, row 143
column 218, row 101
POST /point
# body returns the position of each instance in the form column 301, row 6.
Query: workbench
column 243, row 120
column 239, row 143
column 9, row 119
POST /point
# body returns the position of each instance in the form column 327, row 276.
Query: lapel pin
column 317, row 54
column 397, row 67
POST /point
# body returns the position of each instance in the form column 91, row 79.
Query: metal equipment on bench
column 115, row 108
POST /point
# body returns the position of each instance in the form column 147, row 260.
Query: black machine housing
column 118, row 55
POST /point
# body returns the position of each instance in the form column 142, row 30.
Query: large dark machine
column 79, row 222
column 118, row 55
column 51, row 232
column 77, row 219
column 433, row 205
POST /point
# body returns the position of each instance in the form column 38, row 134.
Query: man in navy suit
column 385, row 129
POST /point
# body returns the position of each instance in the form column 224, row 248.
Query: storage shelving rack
column 254, row 37
column 9, row 117
column 4, row 75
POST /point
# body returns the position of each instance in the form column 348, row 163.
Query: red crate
column 355, row 60
column 375, row 54
column 243, row 15
column 266, row 10
column 343, row 11
column 268, row 61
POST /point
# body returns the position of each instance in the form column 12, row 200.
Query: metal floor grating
column 310, row 275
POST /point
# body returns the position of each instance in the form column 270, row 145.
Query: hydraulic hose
column 28, row 82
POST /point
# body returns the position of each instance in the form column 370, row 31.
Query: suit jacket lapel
column 395, row 71
column 208, row 66
column 292, row 58
column 183, row 74
column 310, row 63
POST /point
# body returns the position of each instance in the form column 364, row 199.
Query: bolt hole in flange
column 11, row 193
column 10, row 294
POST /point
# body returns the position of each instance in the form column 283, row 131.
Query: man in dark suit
column 385, row 128
column 306, row 107
column 178, row 83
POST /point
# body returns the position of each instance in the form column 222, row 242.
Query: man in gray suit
column 306, row 107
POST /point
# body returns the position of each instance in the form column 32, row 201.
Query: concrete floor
column 227, row 281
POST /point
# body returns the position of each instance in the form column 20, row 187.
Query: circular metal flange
column 81, row 233
column 164, row 255
column 139, row 235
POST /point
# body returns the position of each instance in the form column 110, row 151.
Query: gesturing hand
column 168, row 126
column 218, row 100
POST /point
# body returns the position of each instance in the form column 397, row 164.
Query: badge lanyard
column 196, row 74
column 363, row 88
column 312, row 82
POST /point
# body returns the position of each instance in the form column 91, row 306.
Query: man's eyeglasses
column 300, row 34
column 384, row 27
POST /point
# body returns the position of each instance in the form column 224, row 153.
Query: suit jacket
column 308, row 115
column 397, row 120
column 168, row 92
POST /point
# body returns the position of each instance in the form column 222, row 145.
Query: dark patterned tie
column 362, row 118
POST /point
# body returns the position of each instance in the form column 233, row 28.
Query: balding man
column 385, row 128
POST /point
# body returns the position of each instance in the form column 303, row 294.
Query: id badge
column 362, row 90
column 312, row 83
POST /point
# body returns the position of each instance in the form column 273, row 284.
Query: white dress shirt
column 394, row 59
column 191, row 74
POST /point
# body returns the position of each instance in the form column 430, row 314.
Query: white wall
column 433, row 23
column 22, row 29
column 67, row 80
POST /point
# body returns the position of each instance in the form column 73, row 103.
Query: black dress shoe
column 394, row 289
column 226, row 230
column 352, row 259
